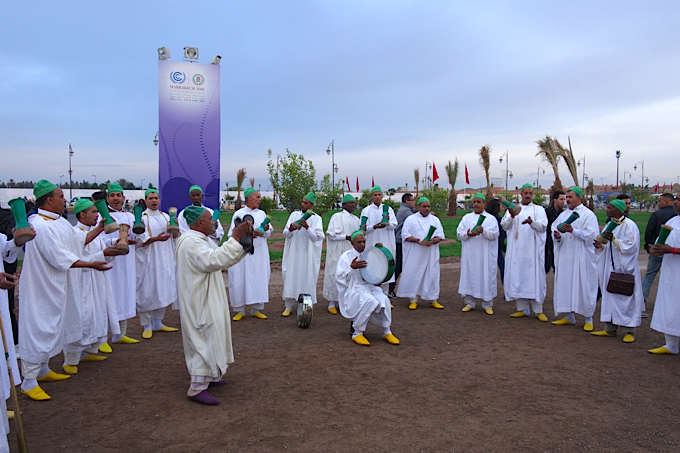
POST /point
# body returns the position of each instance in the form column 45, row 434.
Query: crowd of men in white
column 68, row 303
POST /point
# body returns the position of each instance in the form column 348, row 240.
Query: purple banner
column 189, row 132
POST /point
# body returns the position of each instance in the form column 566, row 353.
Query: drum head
column 377, row 268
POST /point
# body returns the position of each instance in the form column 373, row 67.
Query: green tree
column 292, row 179
column 326, row 195
column 267, row 204
column 364, row 200
column 439, row 199
column 452, row 173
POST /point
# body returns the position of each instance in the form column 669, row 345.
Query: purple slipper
column 217, row 383
column 205, row 398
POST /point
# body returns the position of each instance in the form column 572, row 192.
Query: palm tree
column 547, row 150
column 452, row 173
column 252, row 183
column 416, row 176
column 590, row 190
column 568, row 157
column 240, row 177
column 485, row 162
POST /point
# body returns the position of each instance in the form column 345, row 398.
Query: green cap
column 355, row 234
column 148, row 191
column 195, row 187
column 193, row 213
column 619, row 204
column 421, row 199
column 376, row 189
column 81, row 205
column 248, row 191
column 114, row 187
column 42, row 188
column 348, row 198
column 577, row 190
column 531, row 186
column 311, row 197
column 479, row 195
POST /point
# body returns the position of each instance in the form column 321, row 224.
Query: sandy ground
column 458, row 382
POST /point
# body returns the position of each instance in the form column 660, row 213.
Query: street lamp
column 331, row 151
column 537, row 172
column 428, row 166
column 626, row 172
column 507, row 172
column 578, row 164
column 155, row 139
column 70, row 172
column 95, row 179
column 618, row 156
column 642, row 163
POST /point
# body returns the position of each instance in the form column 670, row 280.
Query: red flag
column 656, row 188
column 372, row 182
column 349, row 189
column 664, row 186
column 358, row 184
column 467, row 176
column 435, row 176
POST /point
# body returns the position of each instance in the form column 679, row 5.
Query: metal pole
column 70, row 172
column 333, row 159
column 506, row 171
column 618, row 155
column 584, row 172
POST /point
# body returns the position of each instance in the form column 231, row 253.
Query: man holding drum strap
column 338, row 237
column 361, row 301
column 525, row 258
column 379, row 231
column 301, row 254
column 575, row 262
column 196, row 197
column 420, row 275
column 479, row 256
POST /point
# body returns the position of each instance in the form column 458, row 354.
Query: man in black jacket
column 407, row 208
column 664, row 212
column 553, row 211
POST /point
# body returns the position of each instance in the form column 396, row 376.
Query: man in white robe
column 666, row 317
column 249, row 278
column 479, row 257
column 361, row 301
column 340, row 229
column 378, row 231
column 575, row 262
column 96, row 297
column 123, row 268
column 524, row 280
column 301, row 254
column 196, row 197
column 50, row 289
column 620, row 254
column 420, row 265
column 155, row 267
column 203, row 303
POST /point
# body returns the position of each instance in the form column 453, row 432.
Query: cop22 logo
column 178, row 77
column 198, row 79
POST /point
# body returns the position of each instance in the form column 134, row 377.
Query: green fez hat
column 42, row 188
column 114, row 187
column 577, row 191
column 195, row 187
column 531, row 186
column 355, row 234
column 81, row 205
column 479, row 195
column 249, row 191
column 421, row 199
column 148, row 191
column 619, row 204
column 193, row 213
column 311, row 197
column 376, row 189
column 348, row 198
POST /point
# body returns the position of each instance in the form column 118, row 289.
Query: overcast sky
column 394, row 83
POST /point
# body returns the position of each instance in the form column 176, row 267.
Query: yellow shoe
column 53, row 377
column 127, row 340
column 93, row 358
column 541, row 317
column 518, row 314
column 10, row 415
column 629, row 338
column 286, row 312
column 601, row 333
column 147, row 334
column 488, row 311
column 413, row 305
column 391, row 339
column 238, row 317
column 333, row 310
column 37, row 394
column 70, row 369
column 436, row 305
column 360, row 339
column 466, row 309
column 167, row 329
column 391, row 306
column 562, row 322
column 105, row 348
column 588, row 327
column 259, row 315
column 661, row 350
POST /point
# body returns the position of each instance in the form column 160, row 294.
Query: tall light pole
column 142, row 185
column 426, row 182
column 95, row 179
column 60, row 180
column 70, row 172
column 331, row 151
column 618, row 156
column 642, row 162
column 507, row 172
column 537, row 172
column 583, row 159
column 626, row 172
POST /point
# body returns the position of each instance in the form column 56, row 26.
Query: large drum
column 381, row 264
column 305, row 310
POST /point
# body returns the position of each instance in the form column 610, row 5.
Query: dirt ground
column 458, row 382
